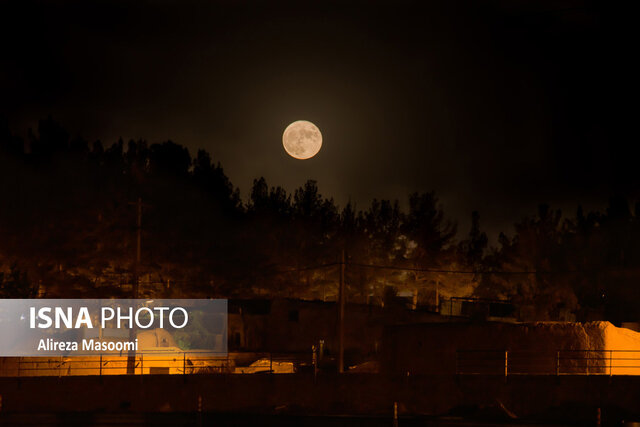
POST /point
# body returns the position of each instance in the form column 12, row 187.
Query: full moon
column 302, row 139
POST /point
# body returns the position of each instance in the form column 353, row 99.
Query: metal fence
column 467, row 362
column 560, row 362
column 154, row 363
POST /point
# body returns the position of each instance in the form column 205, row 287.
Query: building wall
column 525, row 348
column 291, row 326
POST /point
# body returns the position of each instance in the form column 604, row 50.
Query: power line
column 299, row 269
column 515, row 272
column 426, row 270
column 313, row 267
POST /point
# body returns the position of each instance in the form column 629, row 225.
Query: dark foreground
column 245, row 420
column 329, row 400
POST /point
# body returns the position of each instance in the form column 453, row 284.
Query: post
column 184, row 363
column 610, row 361
column 100, row 364
column 131, row 359
column 314, row 359
column 138, row 245
column 395, row 414
column 271, row 363
column 341, row 318
column 557, row 363
column 506, row 363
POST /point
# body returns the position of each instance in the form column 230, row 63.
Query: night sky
column 495, row 105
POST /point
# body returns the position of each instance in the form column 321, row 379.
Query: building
column 508, row 348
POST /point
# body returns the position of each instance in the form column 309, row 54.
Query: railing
column 154, row 362
column 560, row 362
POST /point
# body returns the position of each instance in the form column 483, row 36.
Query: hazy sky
column 495, row 105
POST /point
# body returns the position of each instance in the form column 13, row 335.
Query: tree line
column 68, row 229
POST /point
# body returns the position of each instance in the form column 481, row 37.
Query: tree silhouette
column 69, row 224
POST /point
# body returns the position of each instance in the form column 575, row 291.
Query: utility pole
column 131, row 358
column 138, row 246
column 341, row 298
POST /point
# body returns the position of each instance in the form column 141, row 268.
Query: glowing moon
column 302, row 139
